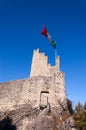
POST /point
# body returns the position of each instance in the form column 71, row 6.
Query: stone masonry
column 40, row 66
column 45, row 85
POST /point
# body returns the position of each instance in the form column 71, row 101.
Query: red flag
column 44, row 32
column 47, row 35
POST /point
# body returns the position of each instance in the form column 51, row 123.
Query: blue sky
column 21, row 22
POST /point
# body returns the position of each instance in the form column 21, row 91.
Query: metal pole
column 55, row 56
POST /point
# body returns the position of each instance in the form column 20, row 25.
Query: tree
column 84, row 106
column 79, row 116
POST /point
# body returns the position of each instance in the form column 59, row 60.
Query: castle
column 45, row 85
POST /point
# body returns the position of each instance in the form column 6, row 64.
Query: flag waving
column 47, row 35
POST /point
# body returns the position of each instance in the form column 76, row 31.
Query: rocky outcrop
column 27, row 118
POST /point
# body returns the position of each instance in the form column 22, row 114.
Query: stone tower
column 40, row 66
column 54, row 82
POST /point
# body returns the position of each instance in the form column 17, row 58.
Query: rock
column 41, row 123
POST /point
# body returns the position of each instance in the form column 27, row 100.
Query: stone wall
column 10, row 94
column 29, row 90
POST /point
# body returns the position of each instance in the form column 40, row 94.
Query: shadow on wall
column 6, row 124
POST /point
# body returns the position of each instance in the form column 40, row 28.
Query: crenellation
column 40, row 66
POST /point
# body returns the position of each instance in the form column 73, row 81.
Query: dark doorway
column 44, row 99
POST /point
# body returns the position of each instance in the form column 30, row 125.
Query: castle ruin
column 45, row 85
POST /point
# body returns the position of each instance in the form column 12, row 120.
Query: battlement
column 40, row 66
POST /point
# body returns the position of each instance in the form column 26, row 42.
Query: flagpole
column 55, row 56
